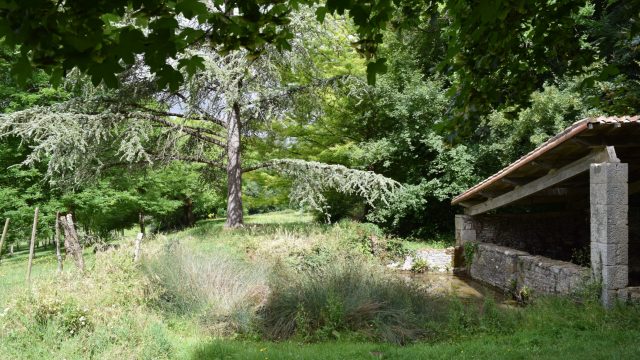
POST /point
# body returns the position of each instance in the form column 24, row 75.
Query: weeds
column 315, row 288
column 470, row 249
column 419, row 266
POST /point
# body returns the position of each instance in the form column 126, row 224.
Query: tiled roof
column 570, row 132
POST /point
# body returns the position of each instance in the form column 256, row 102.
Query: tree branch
column 314, row 84
column 205, row 117
column 263, row 165
column 196, row 132
column 192, row 159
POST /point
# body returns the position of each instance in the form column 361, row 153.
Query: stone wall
column 555, row 235
column 506, row 268
column 437, row 259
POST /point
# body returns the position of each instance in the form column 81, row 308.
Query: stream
column 459, row 285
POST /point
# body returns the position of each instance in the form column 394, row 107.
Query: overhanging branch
column 196, row 132
column 257, row 167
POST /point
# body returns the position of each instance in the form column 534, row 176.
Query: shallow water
column 460, row 286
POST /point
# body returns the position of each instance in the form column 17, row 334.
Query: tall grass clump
column 222, row 291
column 348, row 296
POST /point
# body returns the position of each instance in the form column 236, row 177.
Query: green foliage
column 312, row 179
column 494, row 54
column 506, row 135
column 69, row 316
column 497, row 54
column 369, row 239
column 522, row 295
column 23, row 188
column 581, row 256
column 469, row 249
column 338, row 207
column 116, row 32
column 103, row 314
column 419, row 266
column 121, row 304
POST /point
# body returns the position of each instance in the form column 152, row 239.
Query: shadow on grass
column 230, row 349
column 23, row 254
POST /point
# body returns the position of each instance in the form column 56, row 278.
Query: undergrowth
column 100, row 315
column 297, row 284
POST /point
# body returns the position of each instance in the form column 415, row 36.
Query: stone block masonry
column 505, row 268
column 437, row 259
column 555, row 235
column 609, row 198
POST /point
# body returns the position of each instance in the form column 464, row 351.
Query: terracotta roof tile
column 573, row 130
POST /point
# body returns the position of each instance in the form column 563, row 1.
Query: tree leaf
column 191, row 8
column 191, row 65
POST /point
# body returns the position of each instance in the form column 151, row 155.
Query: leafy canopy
column 101, row 37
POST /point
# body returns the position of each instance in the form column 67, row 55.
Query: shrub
column 369, row 239
column 340, row 206
column 347, row 296
column 581, row 256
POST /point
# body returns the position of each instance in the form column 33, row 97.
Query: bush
column 68, row 315
column 369, row 239
column 347, row 296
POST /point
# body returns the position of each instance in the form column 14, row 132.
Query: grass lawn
column 127, row 323
column 568, row 344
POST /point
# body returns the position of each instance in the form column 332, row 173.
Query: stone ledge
column 504, row 267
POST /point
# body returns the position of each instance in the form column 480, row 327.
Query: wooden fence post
column 57, row 241
column 4, row 235
column 136, row 247
column 32, row 245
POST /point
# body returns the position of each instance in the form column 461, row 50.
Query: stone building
column 564, row 214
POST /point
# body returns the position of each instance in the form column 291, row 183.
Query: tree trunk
column 4, row 235
column 188, row 212
column 71, row 241
column 141, row 222
column 234, row 171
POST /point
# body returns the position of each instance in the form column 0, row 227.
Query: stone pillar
column 465, row 230
column 609, row 228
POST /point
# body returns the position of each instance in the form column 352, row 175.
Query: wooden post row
column 32, row 244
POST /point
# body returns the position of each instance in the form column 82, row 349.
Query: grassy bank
column 280, row 288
